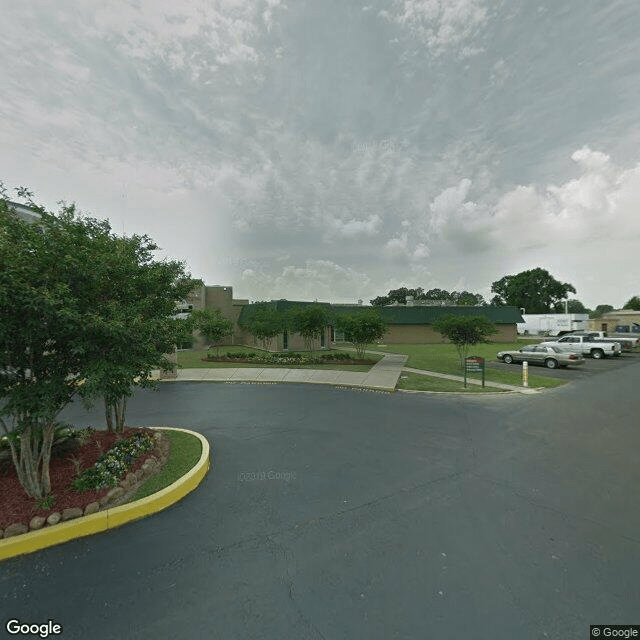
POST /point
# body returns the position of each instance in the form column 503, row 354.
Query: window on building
column 622, row 328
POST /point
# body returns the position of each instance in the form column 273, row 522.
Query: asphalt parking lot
column 335, row 514
column 590, row 367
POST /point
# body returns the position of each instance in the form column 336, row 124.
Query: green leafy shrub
column 65, row 439
column 44, row 503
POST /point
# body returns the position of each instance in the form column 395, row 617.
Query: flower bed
column 66, row 466
column 287, row 358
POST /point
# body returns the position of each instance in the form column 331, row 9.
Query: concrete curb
column 115, row 517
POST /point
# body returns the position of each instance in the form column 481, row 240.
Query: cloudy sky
column 334, row 149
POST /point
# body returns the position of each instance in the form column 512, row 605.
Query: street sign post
column 473, row 364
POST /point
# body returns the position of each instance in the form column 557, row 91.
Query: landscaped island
column 94, row 470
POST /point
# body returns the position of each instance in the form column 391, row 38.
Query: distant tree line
column 534, row 290
column 463, row 298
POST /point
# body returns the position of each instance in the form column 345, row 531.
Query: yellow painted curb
column 115, row 517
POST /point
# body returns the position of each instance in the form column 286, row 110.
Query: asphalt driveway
column 590, row 367
column 333, row 513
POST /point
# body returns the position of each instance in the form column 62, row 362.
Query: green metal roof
column 428, row 315
column 279, row 305
column 404, row 315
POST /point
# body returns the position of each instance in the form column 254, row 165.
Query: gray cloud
column 342, row 148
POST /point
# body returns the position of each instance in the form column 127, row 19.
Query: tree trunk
column 120, row 408
column 107, row 415
column 26, row 460
column 115, row 413
column 45, row 453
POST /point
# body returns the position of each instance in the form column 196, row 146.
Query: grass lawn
column 416, row 382
column 190, row 359
column 443, row 358
column 185, row 453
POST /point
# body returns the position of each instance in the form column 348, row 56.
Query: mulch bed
column 261, row 364
column 16, row 506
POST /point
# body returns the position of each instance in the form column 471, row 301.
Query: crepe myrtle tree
column 361, row 328
column 82, row 312
column 263, row 321
column 212, row 325
column 309, row 321
column 464, row 332
column 132, row 327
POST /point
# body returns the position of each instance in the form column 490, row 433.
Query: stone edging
column 113, row 517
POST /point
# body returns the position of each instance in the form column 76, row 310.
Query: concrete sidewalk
column 447, row 376
column 383, row 376
column 493, row 385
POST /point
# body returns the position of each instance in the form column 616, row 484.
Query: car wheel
column 551, row 363
column 597, row 354
column 508, row 359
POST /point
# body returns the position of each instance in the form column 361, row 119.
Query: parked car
column 586, row 346
column 547, row 355
column 628, row 343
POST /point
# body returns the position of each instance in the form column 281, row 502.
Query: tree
column 535, row 290
column 601, row 309
column 184, row 329
column 633, row 303
column 437, row 294
column 309, row 321
column 263, row 321
column 464, row 331
column 361, row 328
column 128, row 304
column 466, row 298
column 212, row 325
column 398, row 295
column 37, row 355
column 573, row 306
column 81, row 312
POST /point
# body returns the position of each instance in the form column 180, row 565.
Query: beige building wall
column 422, row 334
column 221, row 297
column 295, row 342
column 218, row 297
column 608, row 321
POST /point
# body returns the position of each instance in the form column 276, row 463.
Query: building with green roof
column 406, row 324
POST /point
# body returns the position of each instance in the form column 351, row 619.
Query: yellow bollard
column 525, row 374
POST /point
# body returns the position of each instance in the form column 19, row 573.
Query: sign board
column 473, row 364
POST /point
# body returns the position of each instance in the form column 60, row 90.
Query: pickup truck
column 626, row 342
column 586, row 346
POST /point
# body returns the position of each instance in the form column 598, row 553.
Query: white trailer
column 552, row 324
